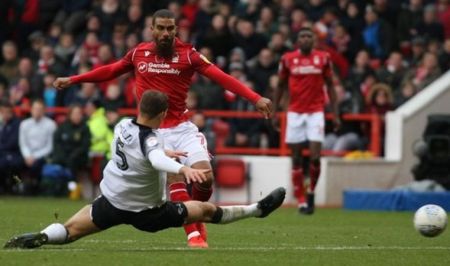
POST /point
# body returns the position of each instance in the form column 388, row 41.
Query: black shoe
column 306, row 210
column 271, row 201
column 29, row 240
column 309, row 208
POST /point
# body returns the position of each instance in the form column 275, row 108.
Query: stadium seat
column 231, row 173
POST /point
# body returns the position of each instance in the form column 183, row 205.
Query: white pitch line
column 263, row 249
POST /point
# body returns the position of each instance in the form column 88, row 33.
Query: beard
column 306, row 49
column 164, row 47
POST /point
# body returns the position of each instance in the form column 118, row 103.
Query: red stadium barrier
column 283, row 150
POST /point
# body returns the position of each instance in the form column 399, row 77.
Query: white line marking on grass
column 263, row 249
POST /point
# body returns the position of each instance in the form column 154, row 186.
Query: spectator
column 88, row 92
column 37, row 41
column 118, row 44
column 348, row 137
column 113, row 117
column 66, row 48
column 429, row 28
column 48, row 62
column 251, row 41
column 71, row 142
column 378, row 35
column 27, row 71
column 265, row 67
column 380, row 101
column 267, row 25
column 109, row 12
column 101, row 135
column 243, row 132
column 443, row 11
column 36, row 143
column 315, row 9
column 418, row 50
column 19, row 93
column 354, row 24
column 189, row 10
column 72, row 15
column 444, row 56
column 393, row 71
column 113, row 98
column 425, row 73
column 135, row 21
column 410, row 16
column 299, row 19
column 278, row 45
column 360, row 70
column 341, row 40
column 11, row 160
column 8, row 68
column 218, row 38
column 406, row 92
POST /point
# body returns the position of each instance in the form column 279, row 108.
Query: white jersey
column 130, row 182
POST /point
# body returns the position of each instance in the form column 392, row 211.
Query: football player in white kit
column 133, row 190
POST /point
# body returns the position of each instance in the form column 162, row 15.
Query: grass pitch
column 329, row 237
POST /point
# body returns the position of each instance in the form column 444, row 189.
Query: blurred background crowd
column 384, row 51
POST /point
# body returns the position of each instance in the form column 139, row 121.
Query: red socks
column 314, row 173
column 178, row 192
column 201, row 193
column 297, row 181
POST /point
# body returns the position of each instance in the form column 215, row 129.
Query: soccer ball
column 430, row 220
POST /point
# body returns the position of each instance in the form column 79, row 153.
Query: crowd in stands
column 384, row 51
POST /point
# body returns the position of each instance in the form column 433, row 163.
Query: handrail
column 283, row 150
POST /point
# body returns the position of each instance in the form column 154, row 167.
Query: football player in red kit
column 306, row 72
column 167, row 64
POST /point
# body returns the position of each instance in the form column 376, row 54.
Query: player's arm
column 277, row 95
column 161, row 162
column 330, row 80
column 282, row 86
column 100, row 74
column 204, row 67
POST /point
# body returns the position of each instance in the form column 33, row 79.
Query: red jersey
column 172, row 76
column 306, row 79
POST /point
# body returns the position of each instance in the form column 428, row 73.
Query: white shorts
column 186, row 137
column 301, row 127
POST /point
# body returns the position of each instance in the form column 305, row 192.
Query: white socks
column 56, row 233
column 234, row 213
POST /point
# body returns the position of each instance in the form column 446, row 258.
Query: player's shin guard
column 298, row 183
column 314, row 172
column 200, row 192
column 178, row 192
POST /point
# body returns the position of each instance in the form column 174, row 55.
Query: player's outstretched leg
column 77, row 226
column 207, row 212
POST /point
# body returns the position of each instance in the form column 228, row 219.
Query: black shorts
column 170, row 214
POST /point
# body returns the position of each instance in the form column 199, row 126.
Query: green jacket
column 101, row 134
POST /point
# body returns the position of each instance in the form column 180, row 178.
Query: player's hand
column 62, row 83
column 264, row 106
column 175, row 154
column 337, row 123
column 194, row 175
